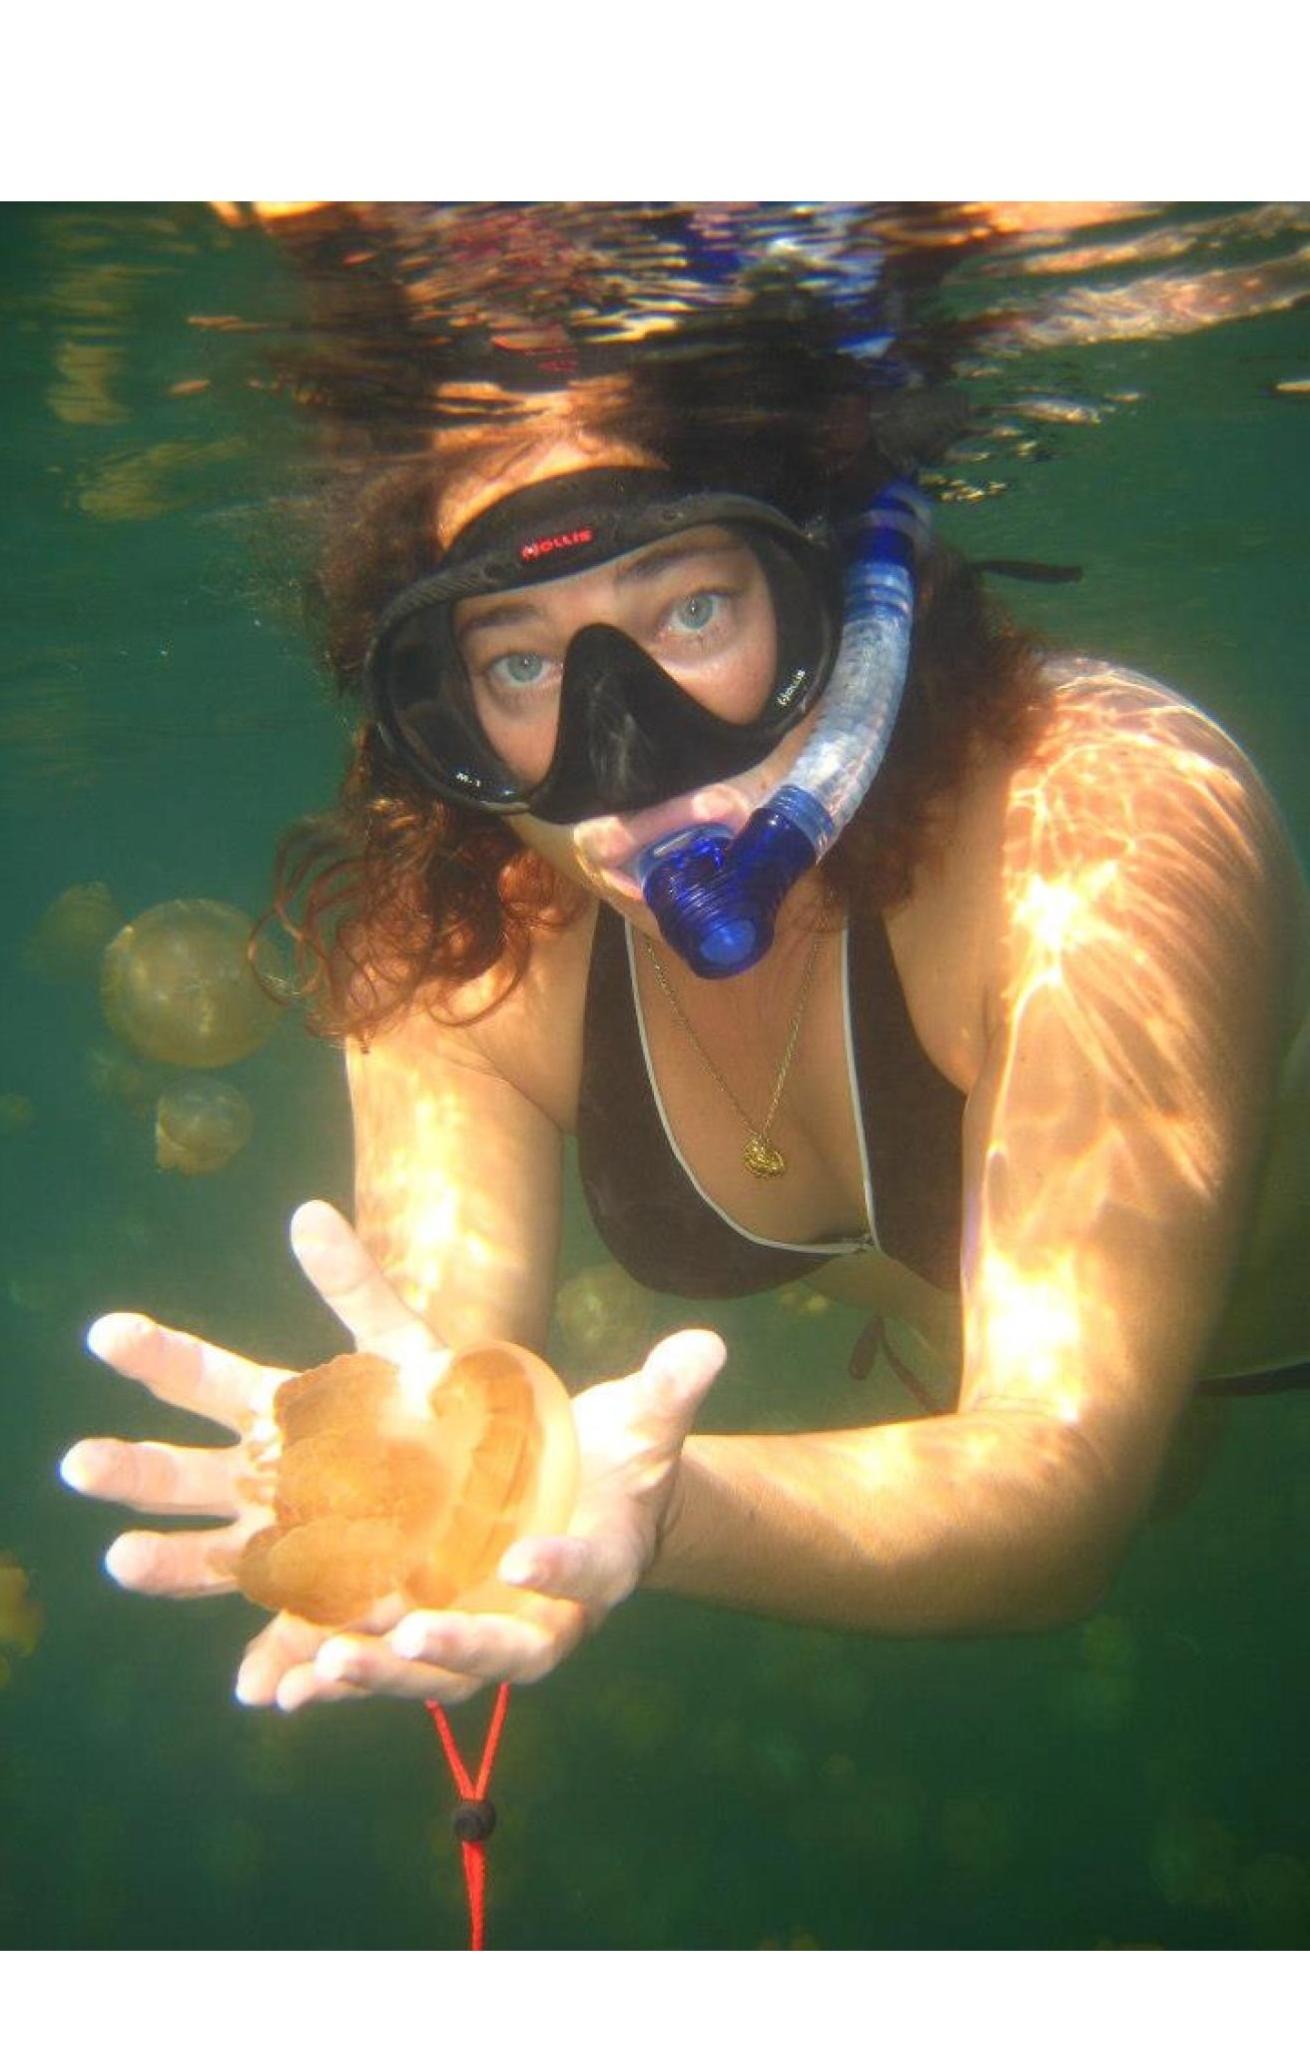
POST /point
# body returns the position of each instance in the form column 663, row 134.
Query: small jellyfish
column 388, row 1489
column 1107, row 1644
column 200, row 1126
column 16, row 1112
column 800, row 1299
column 114, row 1073
column 177, row 986
column 604, row 1318
column 21, row 1618
column 1100, row 1699
column 71, row 936
column 976, row 1835
column 39, row 1287
column 1193, row 1861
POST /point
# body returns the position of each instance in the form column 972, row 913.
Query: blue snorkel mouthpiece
column 716, row 897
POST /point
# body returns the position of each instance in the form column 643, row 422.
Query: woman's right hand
column 232, row 1485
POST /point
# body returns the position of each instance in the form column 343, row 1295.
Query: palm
column 234, row 1484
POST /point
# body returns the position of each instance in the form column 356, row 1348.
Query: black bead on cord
column 473, row 1819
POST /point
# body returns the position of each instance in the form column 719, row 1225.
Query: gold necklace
column 762, row 1157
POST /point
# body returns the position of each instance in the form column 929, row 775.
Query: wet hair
column 395, row 898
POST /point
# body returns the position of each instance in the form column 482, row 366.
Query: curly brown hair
column 395, row 897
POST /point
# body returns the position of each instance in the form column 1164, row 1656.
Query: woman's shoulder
column 525, row 1029
column 1125, row 803
column 1119, row 747
column 1131, row 789
column 1098, row 703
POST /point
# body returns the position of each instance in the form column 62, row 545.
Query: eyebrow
column 655, row 558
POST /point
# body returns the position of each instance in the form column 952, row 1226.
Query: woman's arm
column 1142, row 978
column 457, row 1182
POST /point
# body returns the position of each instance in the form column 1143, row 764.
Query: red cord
column 473, row 1844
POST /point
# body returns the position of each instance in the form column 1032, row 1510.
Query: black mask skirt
column 628, row 736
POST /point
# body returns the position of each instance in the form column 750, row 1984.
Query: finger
column 304, row 1686
column 489, row 1646
column 185, row 1371
column 280, row 1647
column 373, row 1666
column 345, row 1276
column 194, row 1565
column 154, row 1477
column 278, row 1668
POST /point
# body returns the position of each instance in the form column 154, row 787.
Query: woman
column 1015, row 1068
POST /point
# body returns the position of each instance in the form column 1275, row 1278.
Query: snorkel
column 716, row 897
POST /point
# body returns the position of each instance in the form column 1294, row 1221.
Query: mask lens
column 699, row 609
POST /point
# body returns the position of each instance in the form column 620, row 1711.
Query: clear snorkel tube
column 716, row 897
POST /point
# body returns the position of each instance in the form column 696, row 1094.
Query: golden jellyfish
column 1107, row 1645
column 16, row 1112
column 976, row 1836
column 200, row 1126
column 178, row 987
column 1193, row 1861
column 113, row 1073
column 71, row 936
column 21, row 1618
column 604, row 1318
column 390, row 1484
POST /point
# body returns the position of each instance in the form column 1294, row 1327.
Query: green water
column 690, row 1779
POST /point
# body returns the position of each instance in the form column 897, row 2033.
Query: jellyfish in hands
column 389, row 1485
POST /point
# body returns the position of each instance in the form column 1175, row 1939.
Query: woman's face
column 698, row 603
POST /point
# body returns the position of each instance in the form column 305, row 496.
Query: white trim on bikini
column 845, row 1248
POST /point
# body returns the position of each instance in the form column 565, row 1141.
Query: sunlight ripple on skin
column 413, row 1222
column 1120, row 1098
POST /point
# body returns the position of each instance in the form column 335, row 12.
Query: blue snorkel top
column 716, row 896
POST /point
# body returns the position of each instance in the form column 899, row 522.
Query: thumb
column 676, row 1375
column 348, row 1281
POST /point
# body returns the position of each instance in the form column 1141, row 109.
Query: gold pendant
column 762, row 1159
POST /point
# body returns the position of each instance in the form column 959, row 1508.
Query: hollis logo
column 545, row 544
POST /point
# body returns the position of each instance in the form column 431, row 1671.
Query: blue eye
column 520, row 668
column 698, row 611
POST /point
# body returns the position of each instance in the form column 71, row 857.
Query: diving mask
column 628, row 733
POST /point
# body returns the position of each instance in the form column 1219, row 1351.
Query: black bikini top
column 655, row 1221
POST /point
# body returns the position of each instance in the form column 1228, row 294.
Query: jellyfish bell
column 16, row 1112
column 115, row 1074
column 604, row 1318
column 178, row 987
column 21, row 1618
column 201, row 1125
column 70, row 938
column 398, row 1488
